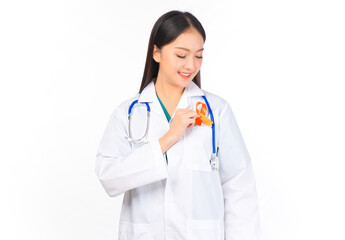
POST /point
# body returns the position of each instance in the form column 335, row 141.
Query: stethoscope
column 214, row 162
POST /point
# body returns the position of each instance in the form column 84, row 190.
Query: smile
column 185, row 74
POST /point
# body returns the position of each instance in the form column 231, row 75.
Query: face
column 180, row 60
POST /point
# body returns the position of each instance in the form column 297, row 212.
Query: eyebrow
column 188, row 49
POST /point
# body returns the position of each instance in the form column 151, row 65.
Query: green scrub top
column 167, row 116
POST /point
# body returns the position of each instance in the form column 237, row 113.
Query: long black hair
column 166, row 29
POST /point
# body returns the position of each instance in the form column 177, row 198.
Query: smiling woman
column 176, row 185
column 179, row 62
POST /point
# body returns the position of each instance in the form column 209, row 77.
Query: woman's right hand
column 183, row 118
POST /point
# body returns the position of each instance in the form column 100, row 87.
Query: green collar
column 164, row 109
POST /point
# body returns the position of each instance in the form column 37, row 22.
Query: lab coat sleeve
column 118, row 167
column 241, row 211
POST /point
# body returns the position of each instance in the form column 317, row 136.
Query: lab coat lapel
column 148, row 94
column 191, row 90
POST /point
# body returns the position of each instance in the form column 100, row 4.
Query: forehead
column 191, row 39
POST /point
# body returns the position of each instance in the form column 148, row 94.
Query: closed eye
column 185, row 56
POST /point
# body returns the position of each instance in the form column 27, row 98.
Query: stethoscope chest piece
column 214, row 162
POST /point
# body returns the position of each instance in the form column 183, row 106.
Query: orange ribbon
column 202, row 113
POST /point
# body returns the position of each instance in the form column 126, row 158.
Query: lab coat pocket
column 198, row 148
column 134, row 231
column 203, row 230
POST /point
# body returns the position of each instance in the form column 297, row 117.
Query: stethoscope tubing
column 148, row 116
column 213, row 129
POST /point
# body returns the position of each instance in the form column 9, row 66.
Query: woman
column 172, row 189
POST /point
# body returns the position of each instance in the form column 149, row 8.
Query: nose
column 190, row 64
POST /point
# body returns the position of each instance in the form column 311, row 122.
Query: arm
column 120, row 169
column 238, row 183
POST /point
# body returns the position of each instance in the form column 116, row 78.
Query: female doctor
column 175, row 185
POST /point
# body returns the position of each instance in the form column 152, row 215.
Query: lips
column 185, row 75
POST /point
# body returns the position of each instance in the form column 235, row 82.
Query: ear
column 156, row 54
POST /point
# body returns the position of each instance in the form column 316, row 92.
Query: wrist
column 166, row 141
column 170, row 138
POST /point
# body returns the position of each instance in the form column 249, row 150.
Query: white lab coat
column 184, row 199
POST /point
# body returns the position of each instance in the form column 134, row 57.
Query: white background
column 66, row 65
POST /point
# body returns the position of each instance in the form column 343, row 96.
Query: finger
column 192, row 114
column 192, row 121
column 196, row 116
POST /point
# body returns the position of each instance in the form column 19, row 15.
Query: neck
column 167, row 91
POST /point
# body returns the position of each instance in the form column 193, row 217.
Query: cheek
column 198, row 64
column 179, row 64
column 165, row 65
column 172, row 63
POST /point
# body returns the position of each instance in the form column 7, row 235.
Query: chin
column 182, row 83
column 186, row 83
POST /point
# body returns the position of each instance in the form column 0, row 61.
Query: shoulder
column 121, row 109
column 218, row 103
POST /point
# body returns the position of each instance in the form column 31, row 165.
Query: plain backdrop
column 66, row 65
